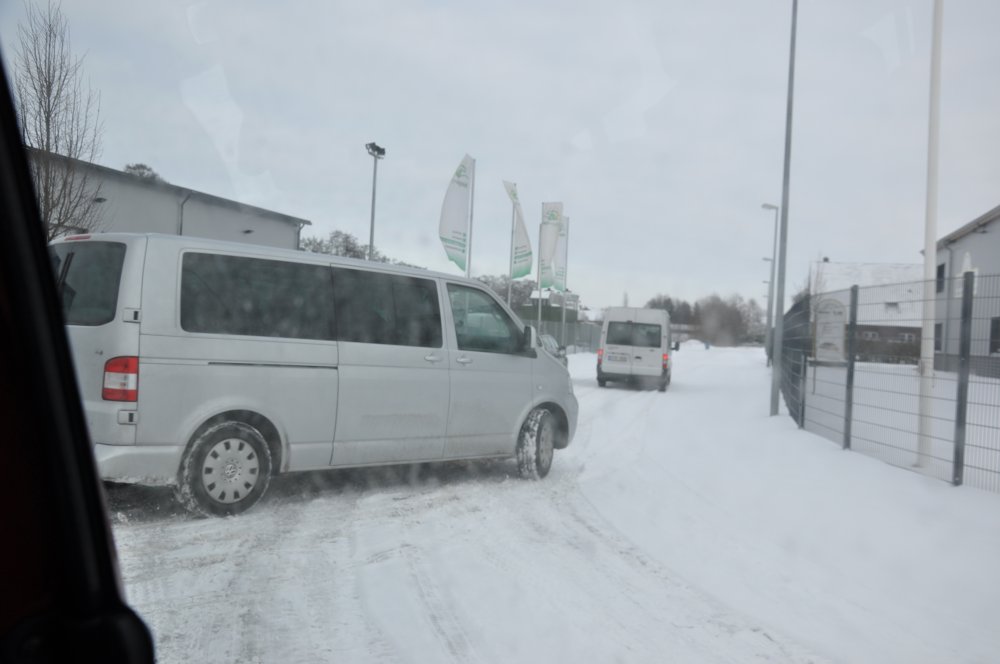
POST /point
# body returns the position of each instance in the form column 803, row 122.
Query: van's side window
column 480, row 323
column 379, row 308
column 418, row 316
column 256, row 297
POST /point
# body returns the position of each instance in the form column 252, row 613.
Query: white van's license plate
column 617, row 357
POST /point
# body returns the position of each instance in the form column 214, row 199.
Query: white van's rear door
column 647, row 349
column 618, row 348
column 99, row 279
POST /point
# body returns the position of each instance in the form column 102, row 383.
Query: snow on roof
column 829, row 276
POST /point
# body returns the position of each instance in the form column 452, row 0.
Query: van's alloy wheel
column 226, row 470
column 536, row 444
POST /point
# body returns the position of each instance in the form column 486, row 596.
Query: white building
column 128, row 203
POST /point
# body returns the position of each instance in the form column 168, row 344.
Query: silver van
column 212, row 366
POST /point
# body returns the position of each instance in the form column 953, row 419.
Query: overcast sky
column 659, row 124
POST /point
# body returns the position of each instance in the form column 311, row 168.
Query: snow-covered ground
column 678, row 527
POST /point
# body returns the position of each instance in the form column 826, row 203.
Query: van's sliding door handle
column 432, row 358
column 464, row 360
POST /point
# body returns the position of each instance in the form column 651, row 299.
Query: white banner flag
column 520, row 262
column 454, row 226
column 561, row 256
column 548, row 237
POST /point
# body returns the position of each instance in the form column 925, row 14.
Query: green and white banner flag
column 548, row 237
column 520, row 262
column 561, row 256
column 454, row 226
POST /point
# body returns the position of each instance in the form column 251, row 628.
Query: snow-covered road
column 678, row 527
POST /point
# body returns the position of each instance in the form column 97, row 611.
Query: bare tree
column 60, row 120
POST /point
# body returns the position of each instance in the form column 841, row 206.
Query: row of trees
column 339, row 243
column 721, row 322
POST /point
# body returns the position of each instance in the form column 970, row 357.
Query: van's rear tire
column 226, row 470
column 536, row 445
column 601, row 382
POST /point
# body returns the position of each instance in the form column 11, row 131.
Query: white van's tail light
column 121, row 379
column 600, row 356
column 666, row 359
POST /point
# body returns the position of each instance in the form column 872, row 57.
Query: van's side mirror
column 677, row 345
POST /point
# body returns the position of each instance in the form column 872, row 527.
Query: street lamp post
column 377, row 153
column 770, row 290
column 779, row 331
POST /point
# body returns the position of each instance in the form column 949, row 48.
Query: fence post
column 803, row 385
column 964, row 356
column 852, row 333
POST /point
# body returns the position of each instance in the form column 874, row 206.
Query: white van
column 211, row 366
column 635, row 347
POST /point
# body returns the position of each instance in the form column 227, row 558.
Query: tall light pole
column 769, row 338
column 377, row 153
column 779, row 331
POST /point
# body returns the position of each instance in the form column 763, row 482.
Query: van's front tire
column 536, row 445
column 226, row 471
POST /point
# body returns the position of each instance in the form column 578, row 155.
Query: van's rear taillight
column 600, row 355
column 666, row 359
column 121, row 379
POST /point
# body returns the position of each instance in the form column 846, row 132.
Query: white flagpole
column 540, row 277
column 472, row 207
column 926, row 365
column 565, row 283
column 510, row 280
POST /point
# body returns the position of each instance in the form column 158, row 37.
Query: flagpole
column 510, row 280
column 540, row 226
column 472, row 208
column 565, row 283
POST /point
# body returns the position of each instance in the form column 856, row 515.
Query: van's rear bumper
column 631, row 377
column 138, row 464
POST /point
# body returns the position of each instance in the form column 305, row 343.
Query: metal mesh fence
column 851, row 372
column 576, row 337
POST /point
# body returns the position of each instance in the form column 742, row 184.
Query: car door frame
column 459, row 442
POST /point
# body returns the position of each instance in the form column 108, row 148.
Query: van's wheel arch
column 536, row 444
column 225, row 471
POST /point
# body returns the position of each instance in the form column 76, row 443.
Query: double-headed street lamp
column 770, row 289
column 377, row 153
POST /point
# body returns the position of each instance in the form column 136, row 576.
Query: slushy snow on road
column 678, row 527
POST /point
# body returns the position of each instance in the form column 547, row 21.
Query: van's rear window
column 647, row 335
column 88, row 274
column 619, row 334
column 644, row 335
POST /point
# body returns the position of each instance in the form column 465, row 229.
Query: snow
column 685, row 526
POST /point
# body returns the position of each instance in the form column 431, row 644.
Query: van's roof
column 636, row 314
column 266, row 252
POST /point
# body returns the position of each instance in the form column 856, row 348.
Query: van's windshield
column 89, row 274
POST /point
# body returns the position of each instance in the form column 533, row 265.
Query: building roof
column 826, row 276
column 172, row 188
column 971, row 227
